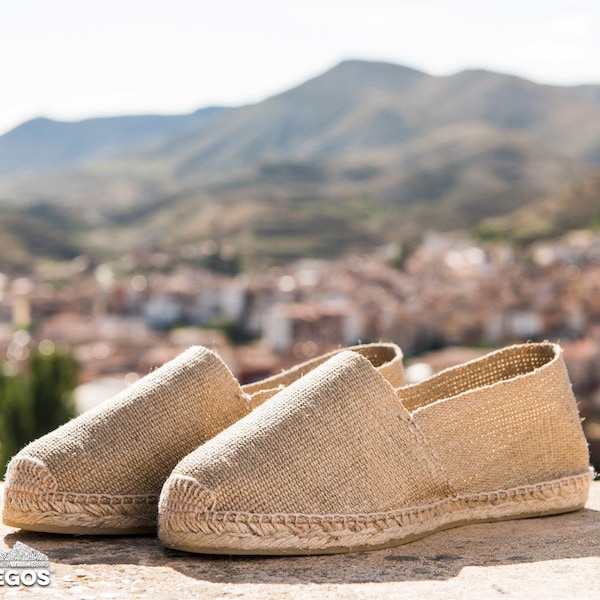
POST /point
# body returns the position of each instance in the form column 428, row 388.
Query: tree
column 52, row 379
column 16, row 419
column 35, row 402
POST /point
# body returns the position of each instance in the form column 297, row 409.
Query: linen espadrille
column 341, row 461
column 102, row 472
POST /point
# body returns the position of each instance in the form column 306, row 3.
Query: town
column 445, row 300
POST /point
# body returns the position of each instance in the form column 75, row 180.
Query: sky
column 68, row 59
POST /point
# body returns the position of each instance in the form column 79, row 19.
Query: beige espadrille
column 102, row 472
column 341, row 461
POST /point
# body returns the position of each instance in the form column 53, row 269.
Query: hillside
column 589, row 92
column 42, row 231
column 43, row 144
column 362, row 154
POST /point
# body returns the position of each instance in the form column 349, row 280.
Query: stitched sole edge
column 297, row 534
column 80, row 514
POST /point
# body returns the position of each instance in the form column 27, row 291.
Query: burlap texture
column 386, row 357
column 507, row 420
column 340, row 454
column 336, row 441
column 130, row 444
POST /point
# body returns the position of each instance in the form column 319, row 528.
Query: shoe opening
column 498, row 366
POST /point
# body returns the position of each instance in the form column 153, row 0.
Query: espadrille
column 102, row 472
column 341, row 461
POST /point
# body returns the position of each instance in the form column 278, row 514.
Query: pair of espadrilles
column 334, row 455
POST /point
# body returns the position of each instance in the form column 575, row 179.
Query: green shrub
column 36, row 401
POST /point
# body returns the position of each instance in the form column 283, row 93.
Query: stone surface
column 550, row 557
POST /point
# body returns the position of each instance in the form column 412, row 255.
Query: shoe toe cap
column 26, row 474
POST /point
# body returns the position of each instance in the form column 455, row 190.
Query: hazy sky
column 70, row 59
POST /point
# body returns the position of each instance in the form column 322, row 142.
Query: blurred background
column 274, row 180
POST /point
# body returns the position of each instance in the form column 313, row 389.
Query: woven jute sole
column 302, row 534
column 80, row 514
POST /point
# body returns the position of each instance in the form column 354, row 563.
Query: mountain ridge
column 46, row 144
column 365, row 153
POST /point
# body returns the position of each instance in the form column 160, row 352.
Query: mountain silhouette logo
column 22, row 556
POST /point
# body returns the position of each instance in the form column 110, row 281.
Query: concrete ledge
column 550, row 557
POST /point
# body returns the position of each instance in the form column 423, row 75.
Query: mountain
column 353, row 107
column 365, row 153
column 43, row 231
column 358, row 107
column 43, row 144
column 589, row 92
